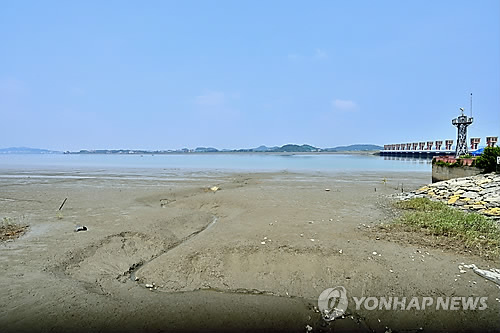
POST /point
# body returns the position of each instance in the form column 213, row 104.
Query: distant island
column 288, row 148
column 26, row 150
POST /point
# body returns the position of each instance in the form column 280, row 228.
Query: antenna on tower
column 471, row 105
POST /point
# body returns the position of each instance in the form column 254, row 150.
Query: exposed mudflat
column 253, row 255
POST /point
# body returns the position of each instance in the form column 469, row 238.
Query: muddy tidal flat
column 168, row 251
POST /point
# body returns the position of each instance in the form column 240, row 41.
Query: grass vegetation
column 458, row 163
column 475, row 232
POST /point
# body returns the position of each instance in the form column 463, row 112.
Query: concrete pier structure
column 491, row 141
column 425, row 149
column 439, row 144
column 448, row 144
column 474, row 142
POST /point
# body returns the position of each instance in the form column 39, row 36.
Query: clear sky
column 233, row 74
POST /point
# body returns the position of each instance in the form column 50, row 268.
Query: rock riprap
column 479, row 193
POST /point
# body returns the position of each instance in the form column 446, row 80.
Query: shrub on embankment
column 488, row 159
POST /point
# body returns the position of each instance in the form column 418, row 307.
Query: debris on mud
column 493, row 274
column 80, row 228
column 10, row 230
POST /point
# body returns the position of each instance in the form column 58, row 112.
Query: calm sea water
column 224, row 162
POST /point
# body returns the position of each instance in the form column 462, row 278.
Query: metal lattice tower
column 461, row 123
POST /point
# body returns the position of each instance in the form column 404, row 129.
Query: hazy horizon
column 167, row 75
column 174, row 149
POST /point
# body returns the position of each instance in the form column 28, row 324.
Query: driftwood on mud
column 62, row 205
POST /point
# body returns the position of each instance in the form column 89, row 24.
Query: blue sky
column 232, row 74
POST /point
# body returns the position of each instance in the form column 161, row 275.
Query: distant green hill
column 290, row 148
column 205, row 150
column 263, row 149
column 363, row 147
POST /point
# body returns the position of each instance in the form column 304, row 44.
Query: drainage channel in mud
column 134, row 268
column 359, row 322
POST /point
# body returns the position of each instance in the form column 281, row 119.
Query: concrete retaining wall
column 440, row 173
